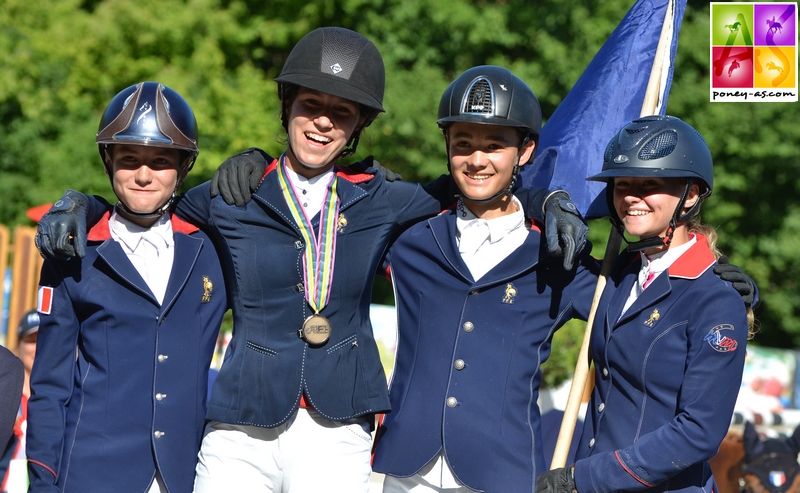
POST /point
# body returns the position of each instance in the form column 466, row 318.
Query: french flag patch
column 45, row 303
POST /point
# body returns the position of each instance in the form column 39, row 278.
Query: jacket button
column 298, row 245
column 451, row 402
column 601, row 407
column 474, row 292
column 160, row 396
column 591, row 443
column 605, row 372
column 162, row 358
column 299, row 287
column 468, row 327
column 158, row 434
column 459, row 364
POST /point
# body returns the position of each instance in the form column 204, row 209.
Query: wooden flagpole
column 581, row 375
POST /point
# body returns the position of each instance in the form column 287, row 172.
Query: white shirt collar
column 474, row 231
column 310, row 191
column 129, row 234
column 661, row 261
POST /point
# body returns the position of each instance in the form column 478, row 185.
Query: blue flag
column 607, row 96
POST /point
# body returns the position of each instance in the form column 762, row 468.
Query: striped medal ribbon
column 319, row 254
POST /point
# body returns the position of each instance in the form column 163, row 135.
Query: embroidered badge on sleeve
column 720, row 342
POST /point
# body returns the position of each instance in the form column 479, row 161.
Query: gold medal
column 316, row 330
column 319, row 254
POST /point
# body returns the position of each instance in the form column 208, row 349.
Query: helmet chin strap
column 125, row 212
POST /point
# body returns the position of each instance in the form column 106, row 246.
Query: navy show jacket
column 468, row 366
column 667, row 374
column 133, row 401
column 267, row 367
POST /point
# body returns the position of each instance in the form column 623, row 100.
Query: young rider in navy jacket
column 669, row 344
column 119, row 383
column 478, row 300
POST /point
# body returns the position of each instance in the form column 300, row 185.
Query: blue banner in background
column 607, row 96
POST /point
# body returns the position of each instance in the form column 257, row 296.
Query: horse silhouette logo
column 208, row 286
column 511, row 293
column 653, row 318
column 772, row 66
column 774, row 25
column 734, row 66
column 734, row 27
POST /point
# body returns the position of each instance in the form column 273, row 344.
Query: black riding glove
column 388, row 175
column 62, row 230
column 560, row 480
column 238, row 177
column 734, row 274
column 565, row 228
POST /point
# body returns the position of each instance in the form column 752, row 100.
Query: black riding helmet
column 492, row 95
column 339, row 62
column 658, row 146
column 149, row 114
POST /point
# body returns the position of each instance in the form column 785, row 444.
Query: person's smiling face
column 319, row 127
column 645, row 205
column 482, row 160
column 144, row 177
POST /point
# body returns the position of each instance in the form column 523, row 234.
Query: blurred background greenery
column 63, row 60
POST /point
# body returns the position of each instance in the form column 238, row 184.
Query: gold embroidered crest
column 208, row 286
column 511, row 293
column 653, row 318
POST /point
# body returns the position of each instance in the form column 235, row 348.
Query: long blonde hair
column 694, row 226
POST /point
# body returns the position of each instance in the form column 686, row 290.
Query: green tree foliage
column 63, row 60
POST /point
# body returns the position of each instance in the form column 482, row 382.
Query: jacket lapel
column 620, row 293
column 443, row 229
column 349, row 190
column 522, row 259
column 187, row 250
column 112, row 254
column 655, row 292
column 270, row 194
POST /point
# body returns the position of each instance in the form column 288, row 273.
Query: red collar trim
column 353, row 176
column 181, row 226
column 270, row 168
column 101, row 231
column 697, row 259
